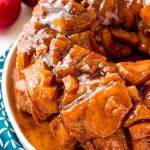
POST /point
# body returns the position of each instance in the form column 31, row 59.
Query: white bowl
column 6, row 91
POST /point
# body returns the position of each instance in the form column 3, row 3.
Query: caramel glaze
column 64, row 67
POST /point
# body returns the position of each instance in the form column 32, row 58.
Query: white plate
column 6, row 91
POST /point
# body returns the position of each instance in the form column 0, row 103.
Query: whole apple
column 31, row 3
column 9, row 11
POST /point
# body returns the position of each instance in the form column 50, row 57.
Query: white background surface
column 8, row 36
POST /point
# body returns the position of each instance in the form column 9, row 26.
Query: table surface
column 8, row 36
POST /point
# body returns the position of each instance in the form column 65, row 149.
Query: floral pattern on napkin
column 8, row 138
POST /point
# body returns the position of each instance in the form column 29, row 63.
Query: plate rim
column 5, row 93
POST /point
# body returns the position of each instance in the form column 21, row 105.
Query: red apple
column 31, row 3
column 9, row 11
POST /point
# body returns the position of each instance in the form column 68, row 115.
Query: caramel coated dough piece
column 139, row 113
column 116, row 141
column 143, row 144
column 140, row 134
column 65, row 16
column 99, row 112
column 140, row 131
column 61, row 135
column 88, row 145
column 135, row 73
column 32, row 44
column 113, row 49
column 145, row 14
column 69, row 62
column 95, row 64
column 41, row 93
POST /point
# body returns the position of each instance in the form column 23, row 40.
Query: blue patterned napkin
column 8, row 138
